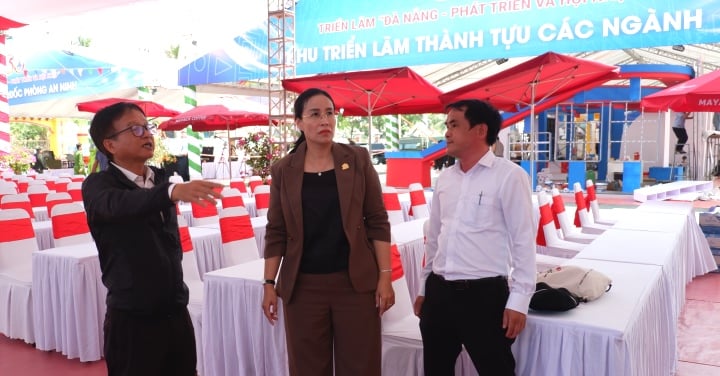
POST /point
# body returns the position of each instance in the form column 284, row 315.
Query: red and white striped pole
column 4, row 105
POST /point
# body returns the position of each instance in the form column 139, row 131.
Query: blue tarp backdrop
column 335, row 37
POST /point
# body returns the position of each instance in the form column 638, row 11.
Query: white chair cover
column 418, row 205
column 69, row 225
column 392, row 205
column 569, row 231
column 262, row 199
column 239, row 245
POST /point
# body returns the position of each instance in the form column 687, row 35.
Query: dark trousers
column 457, row 314
column 682, row 138
column 327, row 320
column 142, row 345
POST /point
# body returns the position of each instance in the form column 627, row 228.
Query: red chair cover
column 60, row 187
column 396, row 263
column 590, row 197
column 22, row 187
column 37, row 200
column 51, row 204
column 185, row 240
column 236, row 228
column 253, row 184
column 69, row 224
column 208, row 210
column 262, row 200
column 416, row 198
column 239, row 185
column 76, row 195
column 50, row 184
column 232, row 201
column 392, row 202
column 24, row 205
column 16, row 229
column 558, row 206
column 580, row 202
column 77, row 179
column 545, row 218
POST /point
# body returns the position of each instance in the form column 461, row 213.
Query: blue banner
column 335, row 37
column 331, row 37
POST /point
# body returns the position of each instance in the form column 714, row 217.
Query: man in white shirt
column 481, row 229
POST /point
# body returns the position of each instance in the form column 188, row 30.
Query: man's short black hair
column 480, row 112
column 101, row 124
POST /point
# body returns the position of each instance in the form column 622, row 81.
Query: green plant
column 260, row 152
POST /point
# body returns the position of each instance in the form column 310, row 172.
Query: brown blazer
column 361, row 205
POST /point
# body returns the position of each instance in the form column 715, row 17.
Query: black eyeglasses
column 137, row 130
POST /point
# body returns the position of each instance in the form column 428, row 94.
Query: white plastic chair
column 239, row 184
column 547, row 237
column 583, row 216
column 262, row 199
column 54, row 198
column 232, row 197
column 204, row 215
column 69, row 225
column 400, row 320
column 569, row 231
column 37, row 194
column 17, row 201
column 75, row 191
column 17, row 243
column 61, row 184
column 418, row 205
column 592, row 201
column 238, row 237
column 253, row 182
column 392, row 205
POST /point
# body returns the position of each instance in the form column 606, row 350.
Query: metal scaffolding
column 281, row 65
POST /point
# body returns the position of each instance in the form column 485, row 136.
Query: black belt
column 465, row 284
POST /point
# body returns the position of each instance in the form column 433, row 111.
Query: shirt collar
column 486, row 160
column 135, row 178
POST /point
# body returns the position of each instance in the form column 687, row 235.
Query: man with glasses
column 132, row 217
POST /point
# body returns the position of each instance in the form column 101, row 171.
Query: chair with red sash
column 418, row 205
column 204, row 215
column 232, row 197
column 37, row 194
column 17, row 243
column 191, row 277
column 238, row 237
column 592, row 202
column 547, row 239
column 50, row 182
column 564, row 223
column 77, row 178
column 253, row 182
column 392, row 205
column 262, row 199
column 69, row 225
column 7, row 189
column 239, row 184
column 61, row 184
column 22, row 184
column 75, row 191
column 54, row 198
column 17, row 201
column 583, row 218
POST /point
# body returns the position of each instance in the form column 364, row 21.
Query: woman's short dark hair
column 480, row 112
column 299, row 108
column 102, row 123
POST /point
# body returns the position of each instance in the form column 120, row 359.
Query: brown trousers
column 327, row 320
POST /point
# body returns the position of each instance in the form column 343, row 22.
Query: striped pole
column 392, row 135
column 194, row 143
column 4, row 105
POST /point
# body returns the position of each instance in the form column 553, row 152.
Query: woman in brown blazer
column 328, row 226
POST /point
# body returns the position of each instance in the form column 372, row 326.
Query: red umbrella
column 150, row 108
column 214, row 118
column 535, row 80
column 700, row 94
column 6, row 24
column 376, row 92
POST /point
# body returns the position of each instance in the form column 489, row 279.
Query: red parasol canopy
column 535, row 80
column 700, row 94
column 214, row 118
column 376, row 92
column 6, row 24
column 150, row 108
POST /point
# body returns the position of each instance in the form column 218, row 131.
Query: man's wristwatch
column 269, row 282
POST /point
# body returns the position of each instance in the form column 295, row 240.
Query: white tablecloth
column 237, row 338
column 40, row 213
column 207, row 244
column 69, row 301
column 410, row 240
column 43, row 234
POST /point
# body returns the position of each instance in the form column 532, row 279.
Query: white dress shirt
column 143, row 182
column 482, row 225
